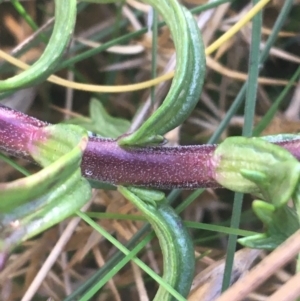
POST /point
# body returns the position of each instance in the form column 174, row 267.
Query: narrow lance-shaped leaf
column 100, row 122
column 35, row 203
column 279, row 223
column 174, row 239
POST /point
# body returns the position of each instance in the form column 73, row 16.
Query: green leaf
column 37, row 215
column 32, row 204
column 53, row 144
column 101, row 122
column 280, row 224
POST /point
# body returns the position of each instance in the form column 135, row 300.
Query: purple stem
column 105, row 161
column 161, row 167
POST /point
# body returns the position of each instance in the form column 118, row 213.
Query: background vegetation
column 132, row 53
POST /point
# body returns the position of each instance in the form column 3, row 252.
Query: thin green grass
column 154, row 49
column 249, row 112
column 140, row 263
column 14, row 165
column 24, row 14
column 267, row 118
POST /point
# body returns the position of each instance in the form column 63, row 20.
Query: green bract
column 253, row 165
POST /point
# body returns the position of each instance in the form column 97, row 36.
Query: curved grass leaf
column 188, row 79
column 65, row 17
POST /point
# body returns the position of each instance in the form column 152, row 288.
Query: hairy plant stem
column 105, row 161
